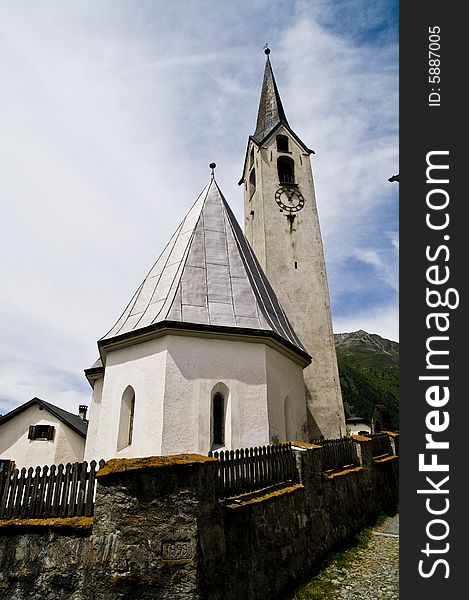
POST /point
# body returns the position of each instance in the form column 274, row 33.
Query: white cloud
column 384, row 321
column 346, row 109
column 22, row 381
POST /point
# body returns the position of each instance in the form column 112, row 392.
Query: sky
column 111, row 111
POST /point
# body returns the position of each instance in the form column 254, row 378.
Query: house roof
column 354, row 419
column 75, row 422
column 207, row 279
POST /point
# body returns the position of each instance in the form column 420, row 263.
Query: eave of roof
column 178, row 328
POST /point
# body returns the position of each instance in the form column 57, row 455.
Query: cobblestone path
column 368, row 570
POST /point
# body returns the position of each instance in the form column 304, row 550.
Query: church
column 227, row 343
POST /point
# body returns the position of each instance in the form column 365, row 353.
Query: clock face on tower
column 289, row 199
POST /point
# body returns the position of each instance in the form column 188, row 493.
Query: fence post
column 365, row 450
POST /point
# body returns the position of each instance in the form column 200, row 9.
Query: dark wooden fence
column 251, row 469
column 381, row 444
column 55, row 491
column 338, row 453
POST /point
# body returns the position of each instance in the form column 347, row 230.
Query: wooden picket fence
column 337, row 453
column 55, row 491
column 251, row 469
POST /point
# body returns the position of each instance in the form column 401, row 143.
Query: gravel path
column 369, row 570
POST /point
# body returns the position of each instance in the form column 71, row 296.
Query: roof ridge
column 189, row 244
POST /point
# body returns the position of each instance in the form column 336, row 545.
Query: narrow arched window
column 286, row 169
column 282, row 143
column 126, row 419
column 252, row 182
column 131, row 420
column 218, row 420
column 251, row 158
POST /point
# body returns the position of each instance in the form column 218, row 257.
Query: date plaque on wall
column 178, row 550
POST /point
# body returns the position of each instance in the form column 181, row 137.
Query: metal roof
column 207, row 277
column 271, row 111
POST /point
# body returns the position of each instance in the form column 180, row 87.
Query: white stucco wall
column 285, row 379
column 92, row 437
column 175, row 377
column 195, row 366
column 67, row 445
column 141, row 366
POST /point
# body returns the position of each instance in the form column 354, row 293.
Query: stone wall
column 159, row 532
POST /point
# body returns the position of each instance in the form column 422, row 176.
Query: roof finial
column 212, row 165
column 266, row 49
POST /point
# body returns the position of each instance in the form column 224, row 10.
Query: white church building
column 203, row 356
column 227, row 343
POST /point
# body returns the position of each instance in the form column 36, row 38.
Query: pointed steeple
column 207, row 279
column 271, row 111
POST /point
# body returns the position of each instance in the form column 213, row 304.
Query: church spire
column 282, row 227
column 271, row 111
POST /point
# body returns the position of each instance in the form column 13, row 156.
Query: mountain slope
column 369, row 373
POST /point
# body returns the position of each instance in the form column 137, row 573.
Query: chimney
column 82, row 410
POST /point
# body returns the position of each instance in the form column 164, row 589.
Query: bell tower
column 282, row 226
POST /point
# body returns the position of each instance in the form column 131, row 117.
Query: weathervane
column 212, row 165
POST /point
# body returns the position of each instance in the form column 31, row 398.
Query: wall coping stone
column 239, row 502
column 304, row 445
column 361, row 438
column 80, row 523
column 382, row 459
column 126, row 465
column 342, row 472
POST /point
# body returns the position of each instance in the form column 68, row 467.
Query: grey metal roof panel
column 207, row 275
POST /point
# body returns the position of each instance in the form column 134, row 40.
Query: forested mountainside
column 369, row 373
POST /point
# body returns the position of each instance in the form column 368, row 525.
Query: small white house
column 357, row 425
column 203, row 357
column 38, row 433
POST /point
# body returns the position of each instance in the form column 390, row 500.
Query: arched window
column 282, row 143
column 218, row 420
column 251, row 158
column 286, row 169
column 252, row 183
column 126, row 419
